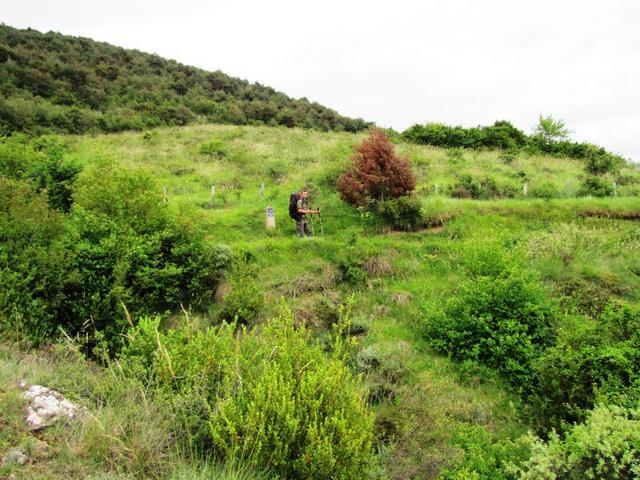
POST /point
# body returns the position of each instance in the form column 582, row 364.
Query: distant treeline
column 502, row 135
column 56, row 83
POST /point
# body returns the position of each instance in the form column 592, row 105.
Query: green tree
column 551, row 130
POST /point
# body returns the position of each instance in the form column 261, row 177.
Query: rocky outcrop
column 47, row 406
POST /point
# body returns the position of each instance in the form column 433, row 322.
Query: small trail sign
column 270, row 218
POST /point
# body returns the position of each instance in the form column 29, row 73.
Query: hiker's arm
column 303, row 210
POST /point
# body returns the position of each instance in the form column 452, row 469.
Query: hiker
column 298, row 210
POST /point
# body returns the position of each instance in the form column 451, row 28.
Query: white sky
column 461, row 62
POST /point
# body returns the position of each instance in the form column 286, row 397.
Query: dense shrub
column 550, row 140
column 404, row 213
column 350, row 262
column 545, row 190
column 607, row 446
column 486, row 457
column 40, row 162
column 118, row 247
column 595, row 186
column 214, row 148
column 377, row 172
column 243, row 301
column 590, row 360
column 499, row 135
column 274, row 399
column 485, row 188
column 502, row 322
column 33, row 265
column 599, row 162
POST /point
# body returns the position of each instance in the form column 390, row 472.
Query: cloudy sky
column 397, row 63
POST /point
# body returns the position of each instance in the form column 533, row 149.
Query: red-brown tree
column 377, row 172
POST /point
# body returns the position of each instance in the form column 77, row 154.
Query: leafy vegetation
column 549, row 137
column 511, row 313
column 273, row 399
column 55, row 83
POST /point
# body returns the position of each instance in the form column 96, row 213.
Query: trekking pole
column 320, row 219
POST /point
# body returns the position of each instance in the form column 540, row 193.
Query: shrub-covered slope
column 59, row 83
column 510, row 310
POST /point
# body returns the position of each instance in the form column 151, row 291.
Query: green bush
column 502, row 322
column 596, row 187
column 244, row 300
column 214, row 148
column 40, row 162
column 487, row 457
column 599, row 162
column 350, row 262
column 33, row 263
column 590, row 361
column 545, row 190
column 118, row 246
column 274, row 399
column 404, row 213
column 606, row 446
column 485, row 188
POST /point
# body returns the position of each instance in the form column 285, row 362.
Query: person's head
column 304, row 193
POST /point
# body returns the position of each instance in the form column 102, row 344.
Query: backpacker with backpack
column 293, row 206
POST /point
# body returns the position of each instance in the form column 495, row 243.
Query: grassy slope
column 426, row 401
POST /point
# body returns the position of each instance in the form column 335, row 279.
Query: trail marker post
column 213, row 195
column 525, row 189
column 270, row 218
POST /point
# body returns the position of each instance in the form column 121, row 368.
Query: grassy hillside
column 57, row 83
column 443, row 408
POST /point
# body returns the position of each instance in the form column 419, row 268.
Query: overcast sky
column 461, row 62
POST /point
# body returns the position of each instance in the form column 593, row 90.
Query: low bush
column 274, row 399
column 41, row 163
column 404, row 213
column 596, row 187
column 591, row 361
column 244, row 300
column 606, row 445
column 484, row 188
column 503, row 322
column 545, row 190
column 599, row 162
column 214, row 148
column 117, row 247
column 350, row 264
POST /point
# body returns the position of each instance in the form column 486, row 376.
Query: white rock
column 46, row 406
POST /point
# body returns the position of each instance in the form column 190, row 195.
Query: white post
column 436, row 188
column 270, row 218
column 213, row 194
column 525, row 188
column 615, row 189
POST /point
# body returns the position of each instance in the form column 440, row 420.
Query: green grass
column 585, row 250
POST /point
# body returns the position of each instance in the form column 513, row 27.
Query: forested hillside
column 57, row 83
